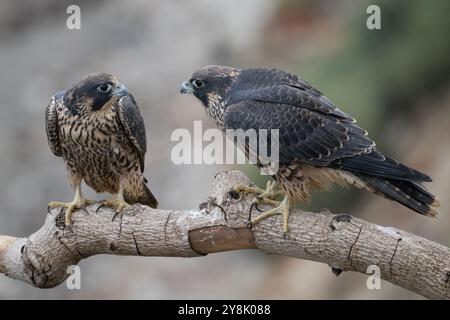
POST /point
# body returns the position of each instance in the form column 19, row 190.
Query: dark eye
column 104, row 88
column 198, row 83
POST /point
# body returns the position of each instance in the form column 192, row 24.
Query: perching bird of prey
column 318, row 143
column 97, row 128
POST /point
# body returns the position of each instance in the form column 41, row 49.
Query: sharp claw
column 115, row 215
column 249, row 218
column 257, row 208
column 68, row 215
column 281, row 208
column 267, row 196
column 118, row 205
column 70, row 208
column 101, row 205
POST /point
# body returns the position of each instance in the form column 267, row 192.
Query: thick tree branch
column 344, row 242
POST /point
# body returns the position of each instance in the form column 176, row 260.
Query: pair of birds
column 97, row 128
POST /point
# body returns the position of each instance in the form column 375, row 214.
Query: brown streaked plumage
column 318, row 143
column 97, row 128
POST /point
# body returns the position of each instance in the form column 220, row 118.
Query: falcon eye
column 104, row 88
column 198, row 83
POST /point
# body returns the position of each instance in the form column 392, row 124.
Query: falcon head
column 210, row 85
column 93, row 93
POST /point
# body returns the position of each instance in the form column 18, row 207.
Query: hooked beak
column 186, row 87
column 120, row 90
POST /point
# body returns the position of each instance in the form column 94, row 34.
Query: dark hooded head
column 210, row 84
column 93, row 93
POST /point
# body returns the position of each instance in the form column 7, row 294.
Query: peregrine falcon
column 97, row 128
column 318, row 143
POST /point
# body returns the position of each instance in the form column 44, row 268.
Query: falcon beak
column 186, row 88
column 120, row 90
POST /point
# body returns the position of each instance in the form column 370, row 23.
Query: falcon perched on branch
column 318, row 143
column 97, row 128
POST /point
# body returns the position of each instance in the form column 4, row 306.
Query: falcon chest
column 93, row 145
column 216, row 108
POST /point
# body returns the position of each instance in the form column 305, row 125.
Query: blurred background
column 395, row 81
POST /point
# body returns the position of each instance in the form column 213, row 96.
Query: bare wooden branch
column 344, row 242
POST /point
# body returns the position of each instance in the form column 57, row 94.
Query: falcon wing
column 132, row 122
column 304, row 135
column 316, row 138
column 51, row 125
column 277, row 86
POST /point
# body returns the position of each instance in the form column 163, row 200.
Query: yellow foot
column 70, row 207
column 270, row 193
column 246, row 189
column 283, row 208
column 117, row 204
column 267, row 196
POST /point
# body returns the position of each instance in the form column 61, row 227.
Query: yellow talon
column 71, row 207
column 117, row 204
column 271, row 192
column 282, row 208
column 246, row 189
column 267, row 196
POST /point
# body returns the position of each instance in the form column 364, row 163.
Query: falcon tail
column 409, row 193
column 145, row 196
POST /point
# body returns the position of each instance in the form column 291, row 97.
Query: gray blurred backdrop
column 395, row 81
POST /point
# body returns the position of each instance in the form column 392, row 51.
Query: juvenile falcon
column 318, row 143
column 97, row 128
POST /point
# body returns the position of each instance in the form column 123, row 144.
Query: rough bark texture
column 219, row 224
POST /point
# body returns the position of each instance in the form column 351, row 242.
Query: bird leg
column 283, row 208
column 77, row 203
column 117, row 202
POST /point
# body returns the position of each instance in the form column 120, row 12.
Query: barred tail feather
column 409, row 193
column 145, row 196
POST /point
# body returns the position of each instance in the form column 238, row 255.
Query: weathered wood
column 344, row 242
